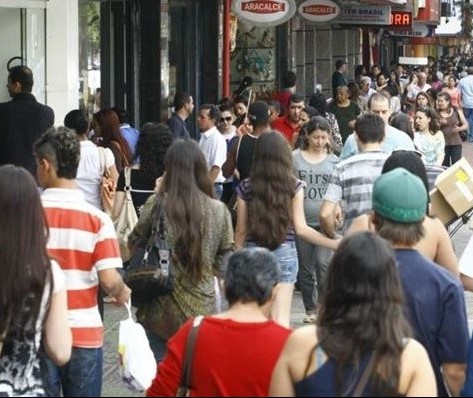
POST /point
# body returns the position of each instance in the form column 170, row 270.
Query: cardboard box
column 456, row 186
column 440, row 208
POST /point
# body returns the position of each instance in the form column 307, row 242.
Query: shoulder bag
column 186, row 374
column 107, row 186
column 149, row 273
column 464, row 133
column 126, row 218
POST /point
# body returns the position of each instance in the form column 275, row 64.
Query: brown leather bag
column 107, row 186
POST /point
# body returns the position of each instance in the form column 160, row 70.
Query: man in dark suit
column 22, row 120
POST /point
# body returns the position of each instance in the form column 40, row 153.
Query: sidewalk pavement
column 114, row 387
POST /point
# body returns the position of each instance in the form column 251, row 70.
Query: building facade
column 147, row 50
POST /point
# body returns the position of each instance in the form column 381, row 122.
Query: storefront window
column 89, row 56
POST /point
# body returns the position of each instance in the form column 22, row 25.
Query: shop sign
column 365, row 15
column 417, row 30
column 319, row 10
column 264, row 12
column 401, row 19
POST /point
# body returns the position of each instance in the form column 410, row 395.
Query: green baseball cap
column 400, row 196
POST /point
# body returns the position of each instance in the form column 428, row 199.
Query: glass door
column 11, row 34
column 23, row 33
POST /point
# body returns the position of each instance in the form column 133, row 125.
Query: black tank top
column 245, row 156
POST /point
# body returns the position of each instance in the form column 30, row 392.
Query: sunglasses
column 226, row 119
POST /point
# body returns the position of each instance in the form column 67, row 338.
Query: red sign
column 401, row 19
column 319, row 10
column 263, row 7
column 264, row 12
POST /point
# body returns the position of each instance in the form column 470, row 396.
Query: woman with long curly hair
column 109, row 132
column 199, row 231
column 270, row 211
column 361, row 330
column 33, row 303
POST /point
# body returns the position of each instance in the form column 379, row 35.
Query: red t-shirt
column 230, row 359
column 285, row 127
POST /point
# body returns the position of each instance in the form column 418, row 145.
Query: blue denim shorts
column 288, row 262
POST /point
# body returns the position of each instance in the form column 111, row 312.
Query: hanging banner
column 319, row 10
column 365, row 15
column 264, row 12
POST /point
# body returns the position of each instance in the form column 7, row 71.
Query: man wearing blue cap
column 434, row 298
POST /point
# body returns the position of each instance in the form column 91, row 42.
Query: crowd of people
column 327, row 195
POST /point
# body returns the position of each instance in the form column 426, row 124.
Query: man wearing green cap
column 434, row 298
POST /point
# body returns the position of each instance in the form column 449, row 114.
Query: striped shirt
column 351, row 183
column 83, row 241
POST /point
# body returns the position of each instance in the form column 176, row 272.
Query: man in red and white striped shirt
column 83, row 241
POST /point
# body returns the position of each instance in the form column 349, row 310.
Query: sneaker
column 309, row 318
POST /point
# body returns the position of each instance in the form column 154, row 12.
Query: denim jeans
column 80, row 377
column 287, row 260
column 218, row 190
column 314, row 261
column 453, row 153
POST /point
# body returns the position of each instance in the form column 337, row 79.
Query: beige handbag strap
column 127, row 174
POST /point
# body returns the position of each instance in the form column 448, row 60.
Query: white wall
column 62, row 57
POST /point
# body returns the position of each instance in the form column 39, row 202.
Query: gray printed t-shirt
column 316, row 176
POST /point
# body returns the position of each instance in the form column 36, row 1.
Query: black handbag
column 149, row 273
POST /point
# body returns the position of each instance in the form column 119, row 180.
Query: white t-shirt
column 214, row 147
column 89, row 172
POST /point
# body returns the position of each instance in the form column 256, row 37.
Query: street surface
column 112, row 384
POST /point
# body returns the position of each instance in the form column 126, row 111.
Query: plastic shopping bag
column 137, row 363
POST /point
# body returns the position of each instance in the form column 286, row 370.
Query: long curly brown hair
column 272, row 189
column 362, row 310
column 186, row 182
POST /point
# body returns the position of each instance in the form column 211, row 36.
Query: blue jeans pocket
column 84, row 373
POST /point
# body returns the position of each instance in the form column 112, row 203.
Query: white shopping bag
column 137, row 363
column 466, row 260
